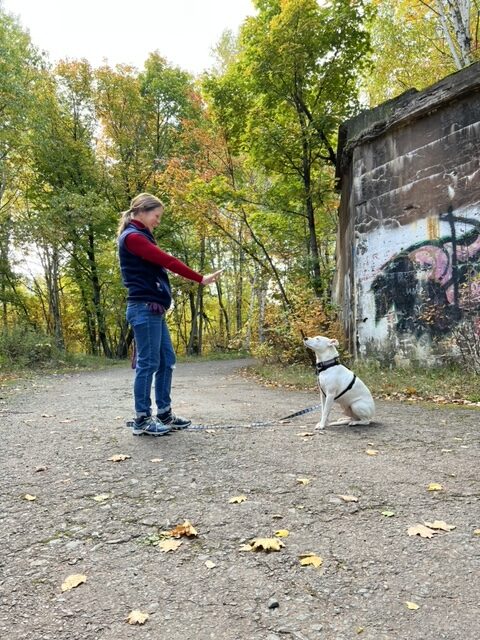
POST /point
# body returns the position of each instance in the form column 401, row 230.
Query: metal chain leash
column 251, row 425
column 254, row 425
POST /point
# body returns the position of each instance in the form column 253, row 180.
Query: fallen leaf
column 434, row 486
column 371, row 452
column 101, row 497
column 303, row 481
column 263, row 544
column 169, row 545
column 73, row 581
column 476, row 532
column 37, row 469
column 282, row 533
column 307, row 559
column 421, row 530
column 210, row 565
column 156, row 460
column 348, row 498
column 119, row 457
column 359, row 630
column 388, row 514
column 237, row 499
column 412, row 605
column 447, row 450
column 186, row 529
column 277, row 516
column 66, row 421
column 305, row 434
column 29, row 497
column 137, row 617
column 440, row 524
column 46, row 415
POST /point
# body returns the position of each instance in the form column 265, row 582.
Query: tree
column 295, row 77
column 415, row 44
column 455, row 18
column 19, row 65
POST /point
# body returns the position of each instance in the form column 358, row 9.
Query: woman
column 144, row 273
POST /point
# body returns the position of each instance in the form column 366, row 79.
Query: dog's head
column 324, row 348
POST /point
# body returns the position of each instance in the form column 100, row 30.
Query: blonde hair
column 142, row 202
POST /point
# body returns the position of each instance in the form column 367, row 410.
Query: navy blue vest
column 145, row 281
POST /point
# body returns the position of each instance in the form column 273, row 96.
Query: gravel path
column 99, row 518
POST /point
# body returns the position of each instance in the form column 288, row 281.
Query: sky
column 126, row 31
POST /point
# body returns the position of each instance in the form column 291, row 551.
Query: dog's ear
column 334, row 342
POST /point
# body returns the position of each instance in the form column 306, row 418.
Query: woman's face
column 151, row 218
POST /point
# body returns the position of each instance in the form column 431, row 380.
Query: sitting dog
column 339, row 384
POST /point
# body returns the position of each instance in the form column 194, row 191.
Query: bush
column 23, row 347
column 284, row 330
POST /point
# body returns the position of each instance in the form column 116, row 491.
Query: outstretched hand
column 212, row 277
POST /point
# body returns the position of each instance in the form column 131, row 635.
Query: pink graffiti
column 436, row 263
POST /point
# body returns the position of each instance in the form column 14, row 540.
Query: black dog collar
column 321, row 366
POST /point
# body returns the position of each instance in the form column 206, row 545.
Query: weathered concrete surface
column 408, row 250
column 59, row 431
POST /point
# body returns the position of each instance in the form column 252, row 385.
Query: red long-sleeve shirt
column 138, row 244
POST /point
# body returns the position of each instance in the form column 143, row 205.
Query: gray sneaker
column 176, row 423
column 149, row 426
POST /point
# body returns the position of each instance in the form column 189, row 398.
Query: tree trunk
column 96, row 293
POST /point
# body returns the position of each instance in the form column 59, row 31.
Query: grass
column 452, row 385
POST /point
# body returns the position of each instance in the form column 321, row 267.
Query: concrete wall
column 408, row 250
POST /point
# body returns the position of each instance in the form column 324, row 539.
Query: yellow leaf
column 156, row 460
column 137, row 617
column 348, row 498
column 371, row 452
column 119, row 457
column 237, row 499
column 210, row 565
column 307, row 559
column 303, row 481
column 101, row 497
column 434, row 486
column 412, row 605
column 263, row 544
column 440, row 524
column 359, row 630
column 73, row 581
column 282, row 533
column 421, row 530
column 186, row 529
column 169, row 545
column 29, row 497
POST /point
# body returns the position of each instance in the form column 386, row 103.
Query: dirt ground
column 59, row 431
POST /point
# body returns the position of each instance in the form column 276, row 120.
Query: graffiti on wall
column 433, row 284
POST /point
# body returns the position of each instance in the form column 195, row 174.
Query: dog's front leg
column 327, row 405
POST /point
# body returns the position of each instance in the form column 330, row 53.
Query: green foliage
column 284, row 330
column 22, row 347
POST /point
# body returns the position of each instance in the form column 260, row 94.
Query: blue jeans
column 155, row 357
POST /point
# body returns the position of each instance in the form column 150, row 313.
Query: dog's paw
column 319, row 426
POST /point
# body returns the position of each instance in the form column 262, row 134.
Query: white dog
column 339, row 384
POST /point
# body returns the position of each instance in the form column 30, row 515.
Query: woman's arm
column 137, row 244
